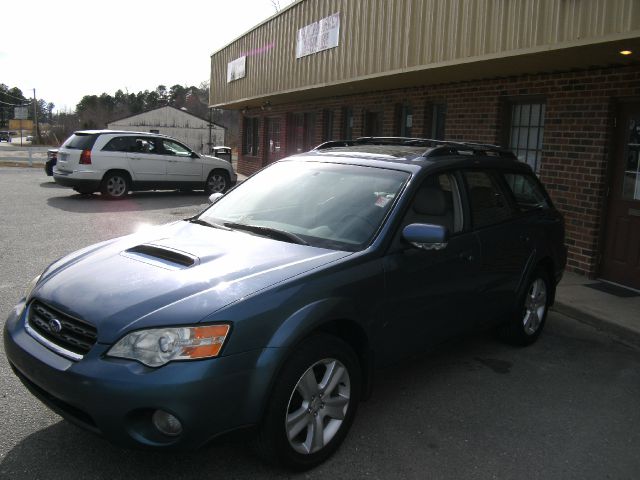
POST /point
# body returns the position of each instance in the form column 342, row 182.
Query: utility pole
column 35, row 116
column 210, row 127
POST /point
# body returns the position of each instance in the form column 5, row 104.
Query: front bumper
column 116, row 398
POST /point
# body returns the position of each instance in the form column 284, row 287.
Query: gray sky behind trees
column 71, row 48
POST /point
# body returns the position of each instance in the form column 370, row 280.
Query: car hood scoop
column 161, row 256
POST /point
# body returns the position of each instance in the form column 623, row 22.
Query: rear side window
column 80, row 141
column 488, row 205
column 120, row 144
column 527, row 192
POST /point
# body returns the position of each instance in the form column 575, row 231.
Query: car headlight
column 158, row 346
column 32, row 284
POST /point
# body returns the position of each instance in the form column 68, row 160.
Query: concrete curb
column 626, row 335
column 22, row 164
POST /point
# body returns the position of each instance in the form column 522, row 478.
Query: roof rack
column 435, row 148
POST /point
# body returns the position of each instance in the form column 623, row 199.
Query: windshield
column 325, row 205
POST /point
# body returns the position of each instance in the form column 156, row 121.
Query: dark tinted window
column 488, row 205
column 80, row 141
column 120, row 144
column 526, row 191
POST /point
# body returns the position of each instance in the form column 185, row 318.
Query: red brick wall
column 580, row 108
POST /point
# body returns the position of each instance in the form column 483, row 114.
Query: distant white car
column 115, row 163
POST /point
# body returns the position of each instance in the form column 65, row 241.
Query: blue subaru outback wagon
column 272, row 307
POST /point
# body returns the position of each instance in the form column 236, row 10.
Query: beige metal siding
column 381, row 37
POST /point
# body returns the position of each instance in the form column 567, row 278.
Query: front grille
column 62, row 330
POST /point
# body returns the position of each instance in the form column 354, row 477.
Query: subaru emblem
column 55, row 326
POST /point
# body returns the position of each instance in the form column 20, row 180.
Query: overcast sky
column 70, row 48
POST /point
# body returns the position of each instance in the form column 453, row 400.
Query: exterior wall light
column 625, row 52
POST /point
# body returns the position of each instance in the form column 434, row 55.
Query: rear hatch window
column 80, row 141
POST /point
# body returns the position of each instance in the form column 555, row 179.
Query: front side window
column 327, row 205
column 488, row 205
column 173, row 148
column 526, row 191
column 437, row 202
column 526, row 132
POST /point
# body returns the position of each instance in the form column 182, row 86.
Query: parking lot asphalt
column 564, row 408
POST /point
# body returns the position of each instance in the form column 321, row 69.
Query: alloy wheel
column 217, row 183
column 116, row 186
column 535, row 306
column 318, row 406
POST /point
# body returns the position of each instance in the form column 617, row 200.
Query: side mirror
column 426, row 236
column 214, row 197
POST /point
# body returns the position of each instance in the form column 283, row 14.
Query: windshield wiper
column 268, row 232
column 200, row 221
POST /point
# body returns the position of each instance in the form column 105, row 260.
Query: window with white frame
column 527, row 132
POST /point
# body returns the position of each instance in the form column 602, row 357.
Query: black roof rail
column 435, row 148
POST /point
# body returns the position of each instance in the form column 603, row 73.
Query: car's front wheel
column 115, row 185
column 313, row 404
column 217, row 182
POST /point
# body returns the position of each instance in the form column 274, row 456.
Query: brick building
column 557, row 81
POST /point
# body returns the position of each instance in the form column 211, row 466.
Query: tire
column 317, row 391
column 528, row 321
column 217, row 182
column 115, row 185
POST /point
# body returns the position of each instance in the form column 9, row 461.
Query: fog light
column 166, row 423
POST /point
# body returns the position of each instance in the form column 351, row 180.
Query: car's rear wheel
column 526, row 325
column 217, row 182
column 115, row 185
column 313, row 404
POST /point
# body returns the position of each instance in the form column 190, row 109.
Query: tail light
column 85, row 157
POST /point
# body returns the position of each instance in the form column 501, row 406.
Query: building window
column 526, row 132
column 372, row 123
column 273, row 137
column 327, row 125
column 302, row 132
column 404, row 121
column 309, row 131
column 251, row 140
column 435, row 120
column 347, row 123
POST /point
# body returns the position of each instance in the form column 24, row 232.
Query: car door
column 505, row 240
column 146, row 162
column 430, row 294
column 182, row 166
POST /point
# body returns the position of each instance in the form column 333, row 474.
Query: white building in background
column 179, row 124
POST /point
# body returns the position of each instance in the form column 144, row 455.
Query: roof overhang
column 545, row 59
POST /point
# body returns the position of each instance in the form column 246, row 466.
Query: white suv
column 115, row 162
